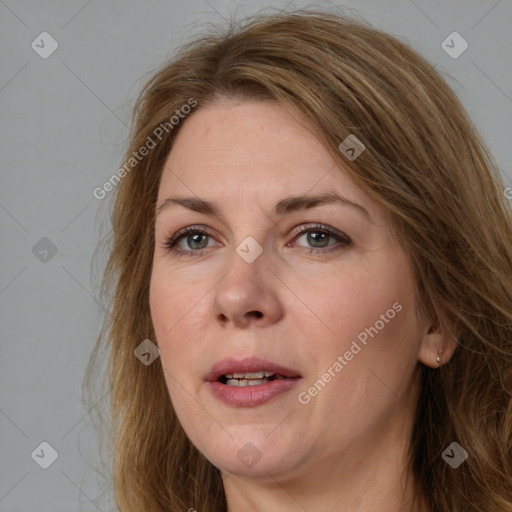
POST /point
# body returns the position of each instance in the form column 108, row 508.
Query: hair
column 424, row 163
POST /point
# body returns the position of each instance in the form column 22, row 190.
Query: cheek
column 169, row 302
column 178, row 315
column 176, row 319
column 372, row 305
column 343, row 304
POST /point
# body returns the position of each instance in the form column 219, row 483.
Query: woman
column 312, row 232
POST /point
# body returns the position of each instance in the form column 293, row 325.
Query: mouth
column 249, row 382
column 233, row 371
column 249, row 378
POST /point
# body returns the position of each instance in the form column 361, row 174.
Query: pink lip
column 250, row 396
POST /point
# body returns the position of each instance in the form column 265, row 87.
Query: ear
column 433, row 344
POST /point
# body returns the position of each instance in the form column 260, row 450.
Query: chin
column 252, row 454
column 265, row 468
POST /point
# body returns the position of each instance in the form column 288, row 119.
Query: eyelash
column 170, row 245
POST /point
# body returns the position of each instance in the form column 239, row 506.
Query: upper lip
column 247, row 364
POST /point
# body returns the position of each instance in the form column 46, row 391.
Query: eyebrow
column 287, row 205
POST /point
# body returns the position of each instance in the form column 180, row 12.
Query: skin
column 345, row 448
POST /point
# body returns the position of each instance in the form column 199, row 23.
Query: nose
column 247, row 294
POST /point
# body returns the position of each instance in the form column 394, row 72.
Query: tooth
column 249, row 375
column 255, row 382
column 268, row 374
column 254, row 375
column 229, row 375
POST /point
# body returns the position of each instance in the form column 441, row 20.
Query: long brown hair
column 424, row 162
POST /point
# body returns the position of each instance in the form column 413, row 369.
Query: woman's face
column 317, row 288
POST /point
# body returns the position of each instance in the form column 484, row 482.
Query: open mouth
column 249, row 378
column 250, row 382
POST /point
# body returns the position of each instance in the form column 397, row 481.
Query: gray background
column 64, row 125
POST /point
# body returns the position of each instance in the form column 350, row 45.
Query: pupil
column 192, row 237
column 324, row 237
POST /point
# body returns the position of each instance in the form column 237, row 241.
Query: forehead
column 259, row 148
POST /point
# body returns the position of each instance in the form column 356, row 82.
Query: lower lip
column 251, row 396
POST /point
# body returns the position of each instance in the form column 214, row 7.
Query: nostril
column 258, row 314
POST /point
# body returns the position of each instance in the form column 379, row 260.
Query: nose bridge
column 245, row 292
column 245, row 267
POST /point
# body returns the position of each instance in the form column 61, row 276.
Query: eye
column 319, row 237
column 193, row 237
column 193, row 240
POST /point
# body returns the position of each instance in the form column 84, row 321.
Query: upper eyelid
column 305, row 226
